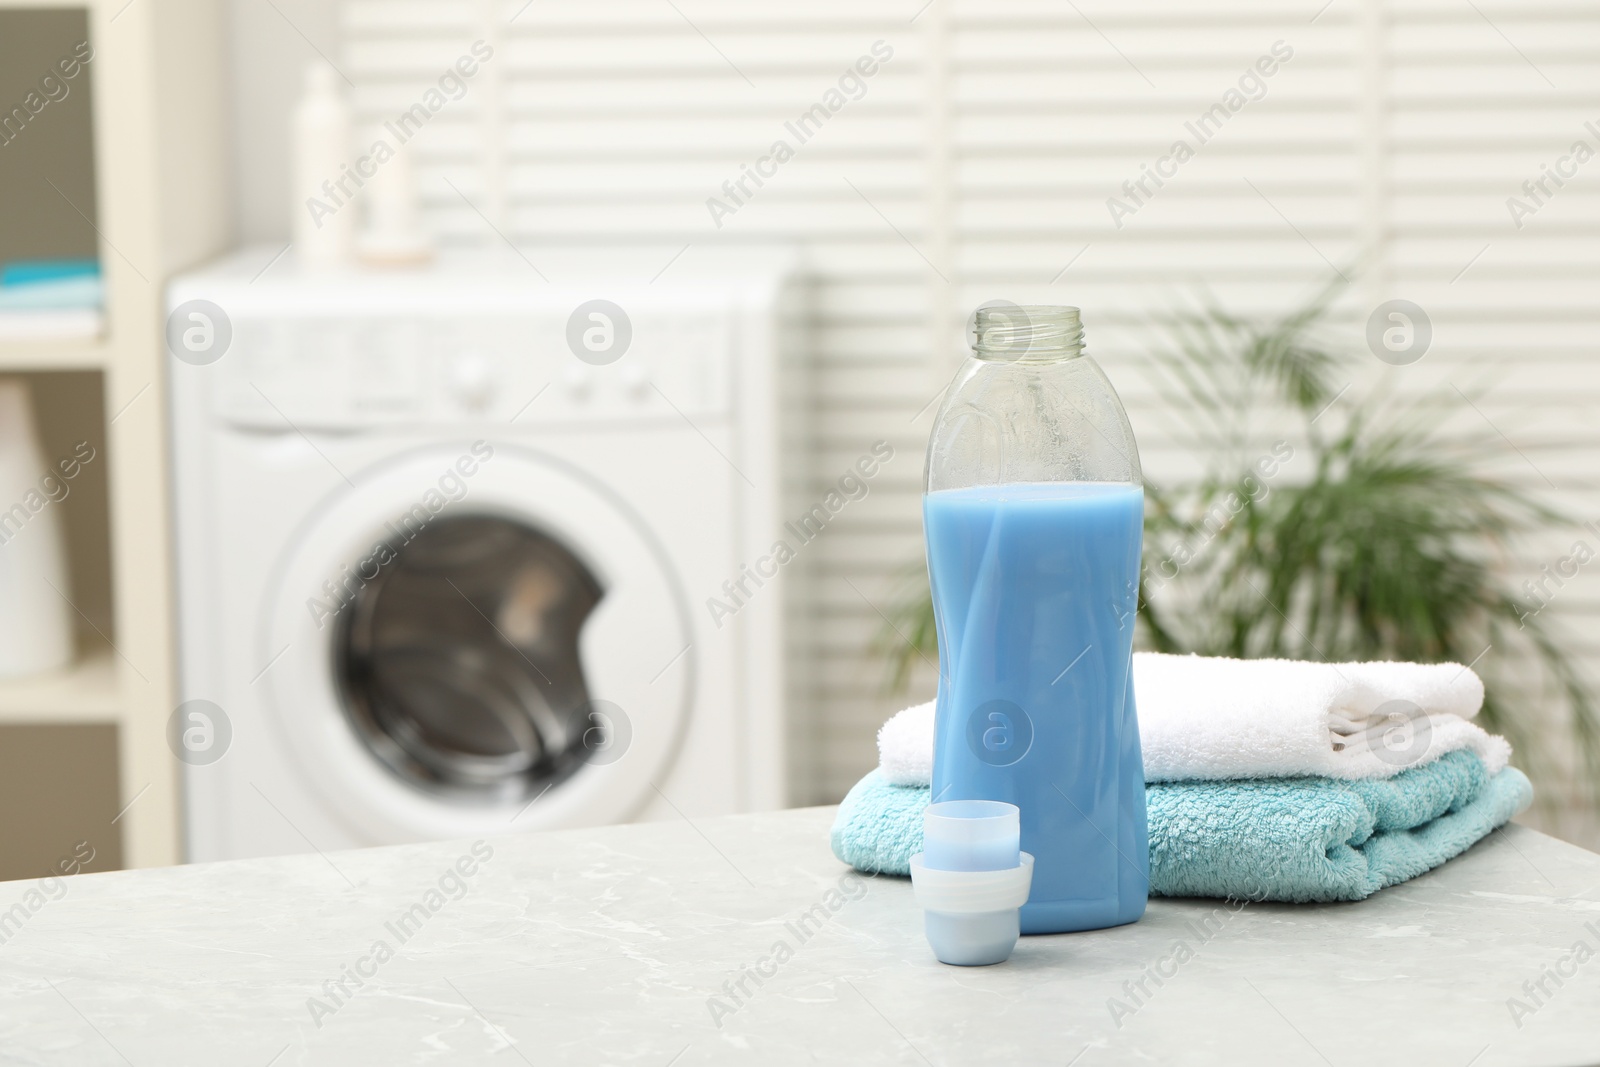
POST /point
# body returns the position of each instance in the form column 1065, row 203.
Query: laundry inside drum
column 458, row 664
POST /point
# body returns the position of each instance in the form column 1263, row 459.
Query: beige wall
column 53, row 146
column 58, row 787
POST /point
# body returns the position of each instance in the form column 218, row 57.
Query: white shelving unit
column 88, row 691
column 82, row 326
column 160, row 196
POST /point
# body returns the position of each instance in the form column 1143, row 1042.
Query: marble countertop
column 743, row 940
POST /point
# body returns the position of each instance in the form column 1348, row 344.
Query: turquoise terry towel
column 1292, row 839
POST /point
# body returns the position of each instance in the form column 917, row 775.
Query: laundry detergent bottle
column 1034, row 521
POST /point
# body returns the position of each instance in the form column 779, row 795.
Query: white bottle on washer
column 323, row 218
column 394, row 236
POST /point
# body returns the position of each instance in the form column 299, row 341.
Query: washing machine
column 463, row 550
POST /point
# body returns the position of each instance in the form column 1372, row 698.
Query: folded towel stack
column 1267, row 779
column 49, row 285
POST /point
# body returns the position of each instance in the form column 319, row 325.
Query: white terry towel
column 1203, row 717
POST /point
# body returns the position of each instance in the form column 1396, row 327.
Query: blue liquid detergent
column 1035, row 586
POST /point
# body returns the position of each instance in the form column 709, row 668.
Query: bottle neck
column 1036, row 333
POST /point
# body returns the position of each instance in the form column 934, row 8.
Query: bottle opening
column 1035, row 332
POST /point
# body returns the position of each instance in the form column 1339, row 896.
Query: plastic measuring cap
column 970, row 878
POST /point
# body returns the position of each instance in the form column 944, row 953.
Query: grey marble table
column 743, row 940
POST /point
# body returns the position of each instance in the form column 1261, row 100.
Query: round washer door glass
column 522, row 656
column 459, row 664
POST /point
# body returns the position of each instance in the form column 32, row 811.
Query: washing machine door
column 467, row 636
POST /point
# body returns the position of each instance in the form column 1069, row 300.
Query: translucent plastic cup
column 970, row 879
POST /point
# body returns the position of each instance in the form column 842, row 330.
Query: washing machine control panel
column 296, row 373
